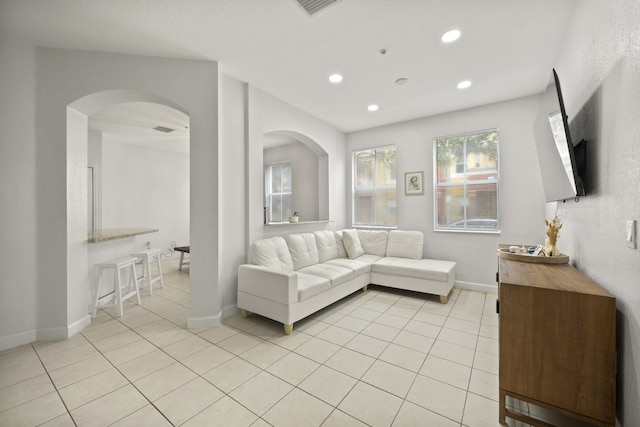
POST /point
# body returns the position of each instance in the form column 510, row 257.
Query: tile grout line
column 261, row 338
column 55, row 388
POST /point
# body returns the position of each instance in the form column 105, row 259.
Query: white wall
column 266, row 113
column 146, row 187
column 246, row 114
column 232, row 188
column 521, row 194
column 44, row 286
column 304, row 176
column 599, row 70
column 18, row 232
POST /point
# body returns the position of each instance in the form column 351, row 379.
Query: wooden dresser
column 557, row 342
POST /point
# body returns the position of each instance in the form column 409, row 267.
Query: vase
column 550, row 249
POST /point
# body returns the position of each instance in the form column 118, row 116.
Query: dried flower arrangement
column 553, row 228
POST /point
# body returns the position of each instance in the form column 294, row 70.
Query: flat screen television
column 562, row 164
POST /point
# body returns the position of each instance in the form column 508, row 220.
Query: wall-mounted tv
column 561, row 164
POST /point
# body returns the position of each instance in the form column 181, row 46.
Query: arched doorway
column 78, row 115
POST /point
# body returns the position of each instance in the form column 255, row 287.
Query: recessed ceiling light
column 450, row 36
column 464, row 84
column 335, row 78
column 372, row 107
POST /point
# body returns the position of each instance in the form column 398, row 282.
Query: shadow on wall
column 608, row 121
column 587, row 125
column 624, row 387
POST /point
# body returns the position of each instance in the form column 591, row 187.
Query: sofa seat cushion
column 310, row 285
column 358, row 267
column 336, row 274
column 419, row 268
column 369, row 259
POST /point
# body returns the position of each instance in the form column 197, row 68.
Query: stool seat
column 147, row 256
column 121, row 292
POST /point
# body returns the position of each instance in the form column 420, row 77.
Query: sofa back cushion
column 352, row 243
column 374, row 242
column 342, row 252
column 405, row 244
column 272, row 253
column 303, row 249
column 327, row 246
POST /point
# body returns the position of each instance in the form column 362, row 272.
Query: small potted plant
column 294, row 218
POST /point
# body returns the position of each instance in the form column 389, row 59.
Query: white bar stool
column 147, row 257
column 120, row 292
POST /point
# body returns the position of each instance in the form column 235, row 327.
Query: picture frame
column 414, row 183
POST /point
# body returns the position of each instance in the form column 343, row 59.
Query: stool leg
column 159, row 270
column 181, row 259
column 135, row 283
column 147, row 274
column 118, row 290
column 94, row 309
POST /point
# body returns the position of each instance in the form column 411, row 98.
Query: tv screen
column 556, row 154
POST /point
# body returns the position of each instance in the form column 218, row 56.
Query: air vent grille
column 313, row 7
column 163, row 129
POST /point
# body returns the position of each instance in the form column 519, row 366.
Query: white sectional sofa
column 291, row 277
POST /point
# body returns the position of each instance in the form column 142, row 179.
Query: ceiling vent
column 314, row 7
column 163, row 129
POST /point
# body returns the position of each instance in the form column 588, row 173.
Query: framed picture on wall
column 414, row 183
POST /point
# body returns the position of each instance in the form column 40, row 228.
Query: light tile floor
column 380, row 358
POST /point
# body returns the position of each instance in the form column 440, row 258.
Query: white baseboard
column 230, row 311
column 204, row 322
column 56, row 334
column 479, row 287
column 17, row 339
column 45, row 334
column 76, row 327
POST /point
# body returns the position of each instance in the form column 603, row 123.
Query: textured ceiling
column 507, row 48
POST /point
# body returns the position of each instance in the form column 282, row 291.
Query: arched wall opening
column 79, row 281
column 310, row 169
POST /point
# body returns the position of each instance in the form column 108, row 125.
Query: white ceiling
column 507, row 48
column 134, row 122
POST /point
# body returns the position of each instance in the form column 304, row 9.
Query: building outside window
column 466, row 181
column 374, row 187
column 278, row 191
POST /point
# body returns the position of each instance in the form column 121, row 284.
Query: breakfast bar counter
column 106, row 234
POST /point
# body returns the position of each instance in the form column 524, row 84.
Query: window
column 374, row 187
column 466, row 182
column 278, row 191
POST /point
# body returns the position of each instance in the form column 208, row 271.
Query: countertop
column 106, row 234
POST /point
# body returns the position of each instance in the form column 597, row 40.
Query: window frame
column 354, row 187
column 436, row 186
column 268, row 181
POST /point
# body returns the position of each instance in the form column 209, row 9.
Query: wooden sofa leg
column 443, row 299
column 364, row 288
column 244, row 313
column 288, row 328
